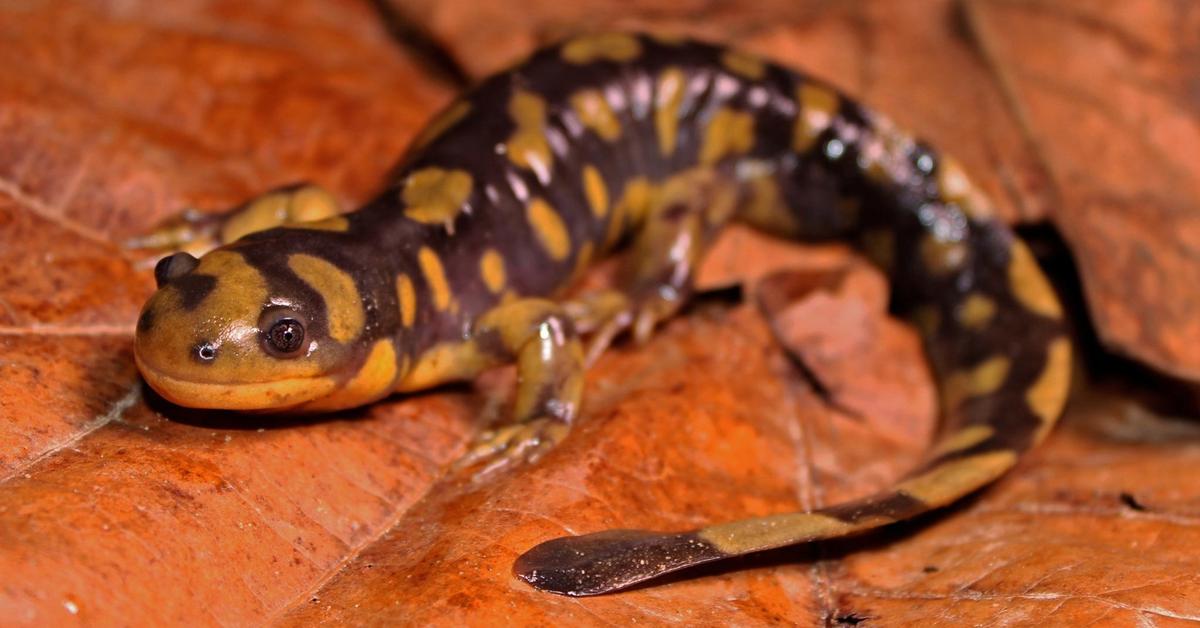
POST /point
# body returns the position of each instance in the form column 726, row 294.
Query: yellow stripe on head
column 343, row 304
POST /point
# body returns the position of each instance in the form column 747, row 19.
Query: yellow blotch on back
column 1028, row 284
column 744, row 64
column 977, row 311
column 595, row 190
column 668, row 97
column 406, row 295
column 435, row 277
column 596, row 113
column 729, row 132
column 1048, row 394
column 442, row 123
column 549, row 228
column 605, row 46
column 435, row 196
column 491, row 268
column 343, row 305
column 527, row 147
column 818, row 107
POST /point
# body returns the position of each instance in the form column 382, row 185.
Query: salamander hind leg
column 196, row 232
column 668, row 244
column 539, row 336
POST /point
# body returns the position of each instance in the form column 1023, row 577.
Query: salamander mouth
column 275, row 395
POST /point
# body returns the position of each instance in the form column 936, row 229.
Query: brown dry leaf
column 113, row 510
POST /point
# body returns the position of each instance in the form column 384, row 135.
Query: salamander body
column 514, row 188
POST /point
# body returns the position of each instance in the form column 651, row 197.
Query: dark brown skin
column 520, row 184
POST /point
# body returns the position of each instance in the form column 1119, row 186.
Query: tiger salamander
column 518, row 185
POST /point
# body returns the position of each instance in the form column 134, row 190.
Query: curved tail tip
column 608, row 561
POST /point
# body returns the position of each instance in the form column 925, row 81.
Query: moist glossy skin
column 606, row 139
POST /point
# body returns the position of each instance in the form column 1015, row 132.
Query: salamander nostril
column 206, row 351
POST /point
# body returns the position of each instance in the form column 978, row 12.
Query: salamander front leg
column 196, row 232
column 540, row 337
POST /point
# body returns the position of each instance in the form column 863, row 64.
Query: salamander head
column 219, row 333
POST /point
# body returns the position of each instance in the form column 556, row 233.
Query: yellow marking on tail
column 739, row 537
column 1028, row 283
column 949, row 481
column 963, row 439
column 982, row 379
column 1048, row 394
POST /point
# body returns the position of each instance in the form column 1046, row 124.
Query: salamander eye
column 285, row 338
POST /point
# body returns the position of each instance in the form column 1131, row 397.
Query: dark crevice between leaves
column 1101, row 367
column 416, row 39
